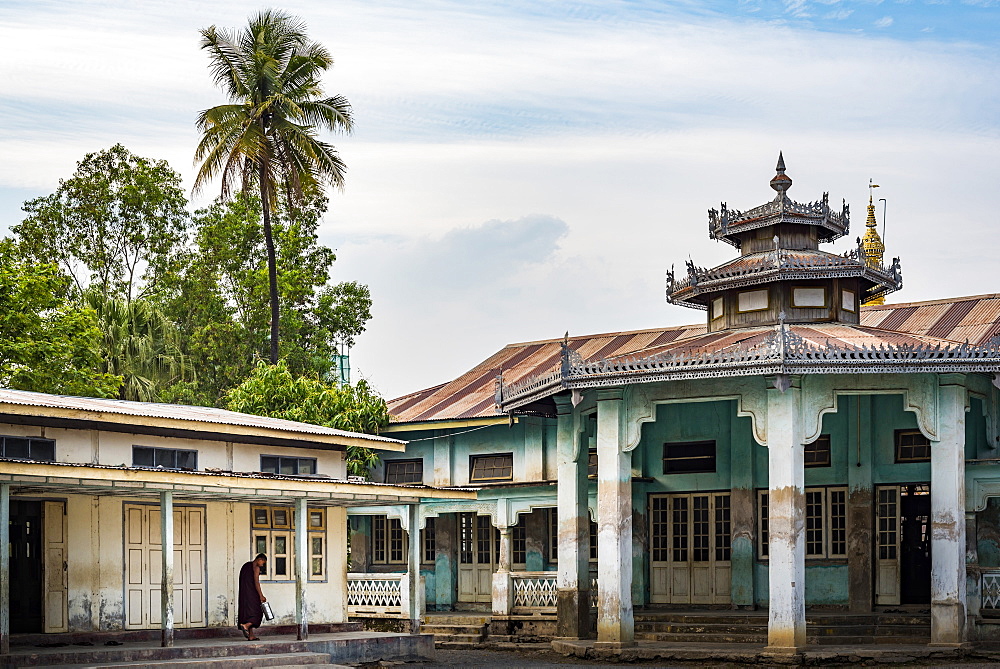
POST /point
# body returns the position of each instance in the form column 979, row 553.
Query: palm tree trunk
column 272, row 265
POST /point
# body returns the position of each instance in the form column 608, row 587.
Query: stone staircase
column 822, row 628
column 457, row 630
column 304, row 660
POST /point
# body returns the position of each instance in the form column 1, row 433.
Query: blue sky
column 521, row 169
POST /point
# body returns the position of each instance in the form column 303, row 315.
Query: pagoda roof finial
column 781, row 181
column 872, row 248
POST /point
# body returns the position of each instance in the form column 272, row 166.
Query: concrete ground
column 536, row 656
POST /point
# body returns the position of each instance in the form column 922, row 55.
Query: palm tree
column 266, row 139
column 138, row 343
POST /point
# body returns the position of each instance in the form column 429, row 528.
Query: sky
column 524, row 169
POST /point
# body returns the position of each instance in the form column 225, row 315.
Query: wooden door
column 690, row 549
column 143, row 566
column 887, row 591
column 477, row 558
column 54, row 569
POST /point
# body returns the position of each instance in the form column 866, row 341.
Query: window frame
column 853, row 308
column 714, row 457
column 472, row 467
column 747, row 292
column 161, row 449
column 896, row 446
column 826, row 298
column 385, row 531
column 287, row 458
column 31, row 442
column 403, row 462
column 268, row 532
column 823, row 438
column 832, row 526
column 718, row 307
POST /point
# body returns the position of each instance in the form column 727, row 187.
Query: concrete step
column 748, row 637
column 458, row 638
column 234, row 661
column 458, row 645
column 456, row 619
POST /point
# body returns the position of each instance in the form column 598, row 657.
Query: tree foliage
column 266, row 140
column 274, row 391
column 217, row 296
column 47, row 344
column 112, row 227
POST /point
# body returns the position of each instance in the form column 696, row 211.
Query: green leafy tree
column 273, row 391
column 217, row 296
column 266, row 139
column 139, row 344
column 113, row 226
column 47, row 343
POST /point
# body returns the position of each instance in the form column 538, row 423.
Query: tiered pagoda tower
column 781, row 274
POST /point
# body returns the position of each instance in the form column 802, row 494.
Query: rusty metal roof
column 182, row 417
column 472, row 394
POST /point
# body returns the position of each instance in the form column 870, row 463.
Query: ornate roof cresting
column 769, row 350
column 725, row 223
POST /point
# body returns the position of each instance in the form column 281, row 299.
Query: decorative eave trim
column 725, row 221
column 782, row 352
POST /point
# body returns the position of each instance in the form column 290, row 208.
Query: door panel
column 144, row 566
column 54, row 536
column 478, row 548
column 887, row 546
column 690, row 549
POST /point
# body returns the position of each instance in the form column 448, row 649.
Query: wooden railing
column 375, row 595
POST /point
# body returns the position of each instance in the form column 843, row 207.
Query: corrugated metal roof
column 91, row 408
column 471, row 395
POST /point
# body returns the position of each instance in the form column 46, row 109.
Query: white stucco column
column 573, row 577
column 4, row 568
column 786, row 620
column 167, row 572
column 413, row 568
column 948, row 515
column 301, row 567
column 615, row 624
column 503, row 585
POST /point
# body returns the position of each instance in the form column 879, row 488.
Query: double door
column 690, row 548
column 903, row 544
column 143, row 566
column 478, row 554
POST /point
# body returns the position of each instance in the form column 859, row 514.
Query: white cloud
column 884, row 22
column 600, row 142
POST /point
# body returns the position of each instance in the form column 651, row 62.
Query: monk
column 250, row 614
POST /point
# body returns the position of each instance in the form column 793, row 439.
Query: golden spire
column 871, row 245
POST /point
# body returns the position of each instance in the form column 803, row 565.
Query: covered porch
column 104, row 569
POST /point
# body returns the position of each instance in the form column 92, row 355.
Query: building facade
column 91, row 489
column 795, row 449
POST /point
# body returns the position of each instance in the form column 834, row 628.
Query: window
column 717, row 308
column 429, row 534
column 826, row 523
column 274, row 536
column 688, row 457
column 28, row 448
column 817, row 454
column 847, row 302
column 592, row 464
column 912, row 446
column 404, row 471
column 274, row 464
column 553, row 525
column 593, row 541
column 809, row 297
column 752, row 300
column 492, row 467
column 388, row 541
column 519, row 543
column 168, row 458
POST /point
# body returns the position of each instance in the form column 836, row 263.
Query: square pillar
column 503, row 585
column 445, row 562
column 860, row 511
column 948, row 595
column 414, row 591
column 973, row 594
column 4, row 568
column 786, row 618
column 573, row 557
column 743, row 515
column 167, row 558
column 615, row 624
column 301, row 567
